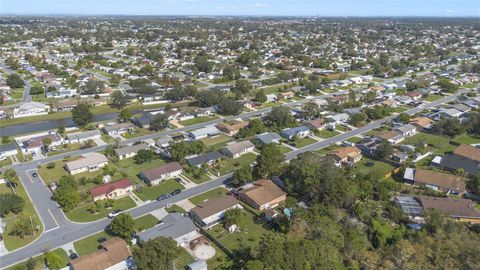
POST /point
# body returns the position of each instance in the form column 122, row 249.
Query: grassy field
column 355, row 139
column 13, row 242
column 203, row 177
column 228, row 165
column 326, row 133
column 89, row 244
column 197, row 120
column 132, row 169
column 214, row 193
column 144, row 223
column 6, row 162
column 137, row 132
column 302, row 142
column 66, row 148
column 40, row 261
column 81, row 214
column 152, row 192
column 175, row 208
column 284, row 149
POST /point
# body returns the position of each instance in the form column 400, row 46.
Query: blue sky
column 439, row 8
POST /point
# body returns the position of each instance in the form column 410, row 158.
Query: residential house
column 156, row 175
column 271, row 97
column 446, row 112
column 316, row 124
column 89, row 162
column 144, row 120
column 392, row 136
column 369, row 146
column 262, row 194
column 130, row 151
column 237, row 149
column 338, row 119
column 81, row 137
column 346, row 156
column 422, row 123
column 163, row 142
column 34, row 144
column 112, row 190
column 7, row 150
column 174, row 226
column 231, row 128
column 406, row 130
column 465, row 157
column 211, row 212
column 118, row 129
column 459, row 209
column 198, row 265
column 268, row 138
column 30, row 109
column 208, row 159
column 201, row 133
column 299, row 132
column 285, row 95
column 438, row 181
column 114, row 254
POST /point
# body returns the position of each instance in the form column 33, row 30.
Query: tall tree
column 123, row 226
column 119, row 100
column 158, row 253
column 81, row 115
column 269, row 162
column 159, row 122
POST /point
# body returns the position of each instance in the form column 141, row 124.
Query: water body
column 32, row 127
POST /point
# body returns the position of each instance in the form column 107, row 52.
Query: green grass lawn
column 342, row 128
column 284, row 149
column 217, row 141
column 431, row 98
column 17, row 93
column 152, row 192
column 89, row 244
column 203, row 177
column 40, row 261
column 197, row 120
column 400, row 109
column 132, row 169
column 437, row 144
column 137, row 132
column 13, row 242
column 251, row 230
column 467, row 139
column 214, row 193
column 355, row 139
column 302, row 142
column 326, row 133
column 6, row 162
column 379, row 167
column 145, row 222
column 65, row 148
column 81, row 214
column 175, row 208
column 228, row 164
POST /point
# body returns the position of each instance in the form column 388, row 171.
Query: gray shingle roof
column 174, row 226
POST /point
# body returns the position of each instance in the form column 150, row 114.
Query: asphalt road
column 59, row 230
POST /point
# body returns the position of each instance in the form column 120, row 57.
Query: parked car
column 34, row 174
column 102, row 239
column 73, row 256
column 163, row 197
column 52, row 186
column 176, row 191
column 114, row 213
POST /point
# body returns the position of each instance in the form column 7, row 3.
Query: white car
column 114, row 213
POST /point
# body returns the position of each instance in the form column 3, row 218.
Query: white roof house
column 30, row 109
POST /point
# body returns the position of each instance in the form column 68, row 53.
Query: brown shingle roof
column 452, row 207
column 387, row 134
column 443, row 180
column 113, row 251
column 157, row 172
column 344, row 152
column 422, row 122
column 468, row 151
column 262, row 192
column 215, row 205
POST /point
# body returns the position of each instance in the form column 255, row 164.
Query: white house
column 30, row 109
column 211, row 212
column 7, row 150
column 237, row 149
column 87, row 163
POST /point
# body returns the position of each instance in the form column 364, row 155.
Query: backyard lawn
column 326, row 133
column 431, row 98
column 153, row 192
column 302, row 142
column 437, row 144
column 467, row 139
column 13, row 242
column 89, row 244
column 81, row 214
column 40, row 261
column 379, row 167
column 197, row 120
column 229, row 164
column 214, row 193
column 216, row 142
column 145, row 222
column 251, row 230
